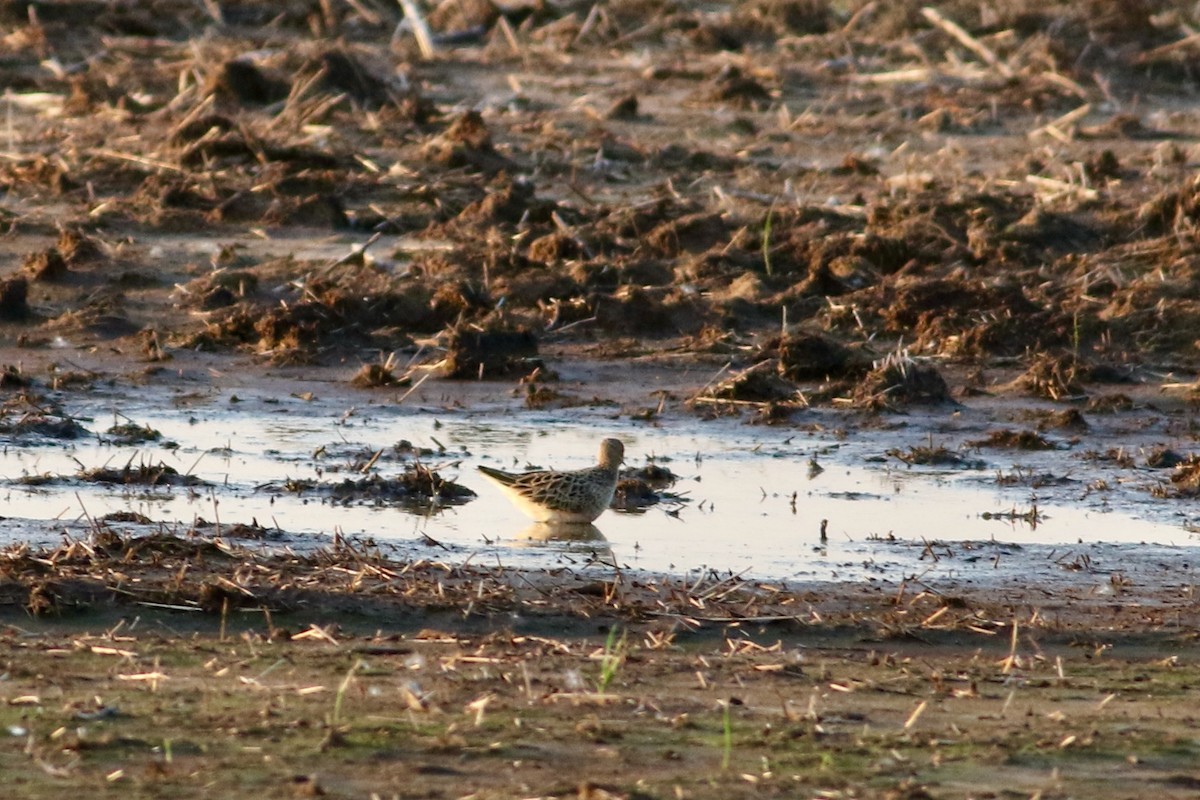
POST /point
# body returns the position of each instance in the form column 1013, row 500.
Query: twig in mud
column 694, row 620
column 195, row 463
column 91, row 522
column 577, row 323
column 429, row 540
column 588, row 23
column 164, row 606
column 652, row 27
column 368, row 15
column 420, row 28
column 859, row 16
column 216, row 514
column 1053, row 189
column 574, row 187
column 355, row 254
column 214, row 11
column 134, row 159
column 509, row 35
column 916, row 714
column 1011, row 660
column 413, row 388
column 72, row 364
column 715, row 378
column 367, row 467
column 1166, row 49
column 968, row 41
column 1062, row 128
column 719, row 584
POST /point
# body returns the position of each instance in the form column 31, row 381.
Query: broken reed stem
column 420, row 28
column 968, row 41
column 414, row 387
column 1062, row 128
column 356, row 254
column 1010, row 662
column 509, row 35
column 1166, row 49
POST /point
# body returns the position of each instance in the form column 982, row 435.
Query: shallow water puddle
column 753, row 501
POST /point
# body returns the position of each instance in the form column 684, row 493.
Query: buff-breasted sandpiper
column 578, row 496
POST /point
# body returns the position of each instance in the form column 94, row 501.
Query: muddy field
column 807, row 214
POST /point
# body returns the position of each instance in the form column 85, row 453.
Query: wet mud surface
column 965, row 235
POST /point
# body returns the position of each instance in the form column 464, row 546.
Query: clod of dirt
column 634, row 495
column 655, row 475
column 757, row 384
column 553, row 247
column 11, row 377
column 640, row 488
column 416, row 485
column 1110, row 403
column 947, row 312
column 151, row 347
column 854, row 164
column 324, row 316
column 253, row 531
column 1055, row 377
column 458, row 16
column 1014, row 440
column 131, row 433
column 1102, row 167
column 476, row 353
column 345, row 73
column 46, row 598
column 931, row 456
column 512, row 203
column 222, row 288
column 1185, row 480
column 244, row 82
column 77, row 247
column 1172, row 207
column 406, row 449
column 795, row 17
column 14, row 293
column 624, row 108
column 216, row 297
column 649, row 311
column 221, row 595
column 811, row 356
column 125, row 516
column 467, row 143
column 1165, row 458
column 692, row 233
column 900, row 380
column 374, row 376
column 157, row 545
column 1048, row 232
column 539, row 396
column 46, row 265
column 143, row 474
column 738, row 90
column 42, row 425
column 1069, row 419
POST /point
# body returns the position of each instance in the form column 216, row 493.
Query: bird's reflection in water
column 561, row 532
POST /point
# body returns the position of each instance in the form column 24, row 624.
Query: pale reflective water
column 754, row 502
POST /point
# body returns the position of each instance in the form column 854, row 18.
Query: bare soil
column 173, row 665
column 746, row 209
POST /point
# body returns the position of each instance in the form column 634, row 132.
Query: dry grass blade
column 420, row 28
column 967, row 40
